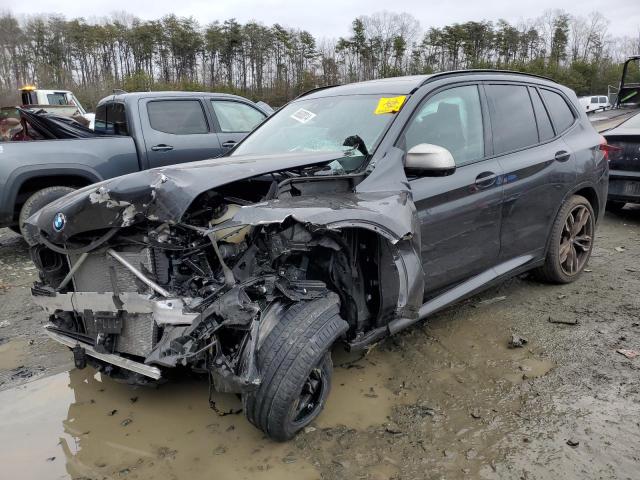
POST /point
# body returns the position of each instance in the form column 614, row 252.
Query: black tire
column 615, row 206
column 558, row 267
column 295, row 366
column 34, row 203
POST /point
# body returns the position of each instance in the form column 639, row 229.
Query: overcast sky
column 332, row 18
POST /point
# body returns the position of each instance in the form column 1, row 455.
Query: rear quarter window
column 561, row 113
column 542, row 117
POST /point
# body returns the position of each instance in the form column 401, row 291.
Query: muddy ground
column 445, row 399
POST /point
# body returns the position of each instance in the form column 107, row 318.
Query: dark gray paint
column 487, row 220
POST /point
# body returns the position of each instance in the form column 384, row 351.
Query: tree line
column 275, row 63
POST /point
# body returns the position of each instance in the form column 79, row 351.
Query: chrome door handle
column 229, row 143
column 562, row 156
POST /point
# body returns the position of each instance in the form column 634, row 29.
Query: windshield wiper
column 356, row 142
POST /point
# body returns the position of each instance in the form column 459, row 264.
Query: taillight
column 605, row 148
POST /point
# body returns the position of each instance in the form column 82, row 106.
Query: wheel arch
column 588, row 191
column 25, row 183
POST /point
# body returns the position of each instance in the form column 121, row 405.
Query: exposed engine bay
column 144, row 294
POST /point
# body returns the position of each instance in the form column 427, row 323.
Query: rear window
column 512, row 119
column 560, row 112
column 179, row 117
column 594, row 100
column 603, row 99
column 111, row 119
column 542, row 117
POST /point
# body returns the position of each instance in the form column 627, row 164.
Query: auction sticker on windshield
column 390, row 104
column 303, row 116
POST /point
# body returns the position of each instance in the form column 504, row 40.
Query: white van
column 595, row 103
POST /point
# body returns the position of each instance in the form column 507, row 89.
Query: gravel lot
column 445, row 399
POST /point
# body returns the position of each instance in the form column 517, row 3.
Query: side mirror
column 429, row 160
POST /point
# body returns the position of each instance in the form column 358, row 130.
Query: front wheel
column 295, row 368
column 571, row 242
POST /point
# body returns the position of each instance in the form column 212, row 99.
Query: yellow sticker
column 390, row 105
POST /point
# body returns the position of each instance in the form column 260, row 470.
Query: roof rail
column 435, row 76
column 304, row 94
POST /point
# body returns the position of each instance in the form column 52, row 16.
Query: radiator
column 137, row 333
column 101, row 273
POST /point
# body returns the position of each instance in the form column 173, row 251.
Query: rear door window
column 542, row 117
column 594, row 99
column 235, row 116
column 561, row 113
column 512, row 119
column 111, row 119
column 603, row 99
column 179, row 117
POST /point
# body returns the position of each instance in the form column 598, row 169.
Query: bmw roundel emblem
column 58, row 221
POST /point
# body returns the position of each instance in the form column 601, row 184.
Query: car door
column 234, row 120
column 177, row 130
column 459, row 214
column 538, row 166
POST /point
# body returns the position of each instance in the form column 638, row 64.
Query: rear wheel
column 296, row 369
column 34, row 203
column 571, row 242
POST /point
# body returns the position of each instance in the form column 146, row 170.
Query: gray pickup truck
column 135, row 131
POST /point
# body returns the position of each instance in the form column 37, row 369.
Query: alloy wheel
column 576, row 240
column 310, row 399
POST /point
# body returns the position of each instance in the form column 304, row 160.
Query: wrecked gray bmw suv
column 352, row 213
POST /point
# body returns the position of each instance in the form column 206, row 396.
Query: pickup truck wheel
column 295, row 366
column 34, row 203
column 571, row 242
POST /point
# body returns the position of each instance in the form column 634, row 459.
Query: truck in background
column 629, row 91
column 133, row 131
column 61, row 102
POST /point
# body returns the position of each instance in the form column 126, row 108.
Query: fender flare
column 572, row 191
column 20, row 175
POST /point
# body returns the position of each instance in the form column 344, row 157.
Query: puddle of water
column 12, row 353
column 80, row 424
column 359, row 395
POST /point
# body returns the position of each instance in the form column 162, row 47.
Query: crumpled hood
column 162, row 194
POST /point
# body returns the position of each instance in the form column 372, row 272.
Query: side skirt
column 474, row 285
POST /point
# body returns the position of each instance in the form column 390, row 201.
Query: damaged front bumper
column 117, row 360
column 139, row 308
